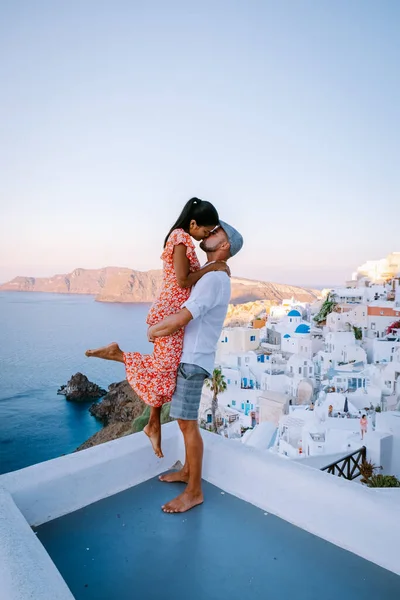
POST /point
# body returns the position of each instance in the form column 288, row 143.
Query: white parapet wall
column 57, row 487
column 26, row 570
column 354, row 517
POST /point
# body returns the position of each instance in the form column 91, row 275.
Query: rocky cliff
column 111, row 284
column 122, row 412
column 243, row 314
column 118, row 409
column 114, row 284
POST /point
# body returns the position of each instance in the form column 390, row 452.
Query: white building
column 272, row 406
column 307, row 433
column 382, row 350
column 273, row 378
column 380, row 316
column 346, row 316
column 340, row 348
column 299, row 368
column 391, row 377
column 237, row 340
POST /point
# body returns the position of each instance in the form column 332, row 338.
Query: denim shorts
column 186, row 399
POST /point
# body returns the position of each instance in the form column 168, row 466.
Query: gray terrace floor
column 125, row 547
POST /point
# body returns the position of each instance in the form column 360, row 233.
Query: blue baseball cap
column 234, row 237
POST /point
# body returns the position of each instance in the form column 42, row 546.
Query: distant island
column 117, row 284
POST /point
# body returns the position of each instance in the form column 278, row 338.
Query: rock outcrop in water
column 114, row 284
column 80, row 389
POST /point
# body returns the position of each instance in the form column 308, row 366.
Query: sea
column 43, row 338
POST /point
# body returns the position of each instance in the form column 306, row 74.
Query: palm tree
column 217, row 384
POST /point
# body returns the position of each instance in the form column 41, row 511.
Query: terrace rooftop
column 270, row 527
column 125, row 545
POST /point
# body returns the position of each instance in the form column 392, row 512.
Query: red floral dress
column 153, row 376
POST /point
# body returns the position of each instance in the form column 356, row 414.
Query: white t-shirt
column 208, row 304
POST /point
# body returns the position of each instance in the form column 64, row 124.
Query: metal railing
column 348, row 466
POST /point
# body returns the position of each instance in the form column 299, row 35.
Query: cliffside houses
column 310, row 383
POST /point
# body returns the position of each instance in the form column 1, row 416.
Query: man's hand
column 169, row 325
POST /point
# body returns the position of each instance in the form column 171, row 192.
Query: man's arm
column 170, row 324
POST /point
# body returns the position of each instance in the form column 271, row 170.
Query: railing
column 348, row 466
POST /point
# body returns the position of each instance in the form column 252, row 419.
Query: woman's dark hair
column 201, row 211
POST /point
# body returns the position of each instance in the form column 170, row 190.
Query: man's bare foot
column 183, row 502
column 110, row 352
column 154, row 435
column 175, row 476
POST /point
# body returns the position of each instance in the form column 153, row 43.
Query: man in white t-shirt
column 203, row 316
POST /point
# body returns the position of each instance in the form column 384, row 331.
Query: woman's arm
column 182, row 268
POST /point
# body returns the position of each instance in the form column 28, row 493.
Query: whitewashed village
column 297, row 379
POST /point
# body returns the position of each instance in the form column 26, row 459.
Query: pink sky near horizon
column 284, row 115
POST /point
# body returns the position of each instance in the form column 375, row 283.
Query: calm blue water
column 43, row 339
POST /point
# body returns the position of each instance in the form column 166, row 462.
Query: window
column 233, row 402
column 373, row 326
column 242, row 405
column 226, row 339
column 310, row 370
column 252, row 338
column 299, row 370
column 209, row 418
column 229, row 380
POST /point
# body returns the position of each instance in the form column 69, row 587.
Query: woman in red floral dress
column 153, row 376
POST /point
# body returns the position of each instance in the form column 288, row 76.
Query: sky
column 285, row 114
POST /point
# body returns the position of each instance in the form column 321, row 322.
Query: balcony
column 100, row 533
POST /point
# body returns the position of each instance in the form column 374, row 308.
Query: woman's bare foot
column 154, row 435
column 183, row 502
column 110, row 352
column 181, row 476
